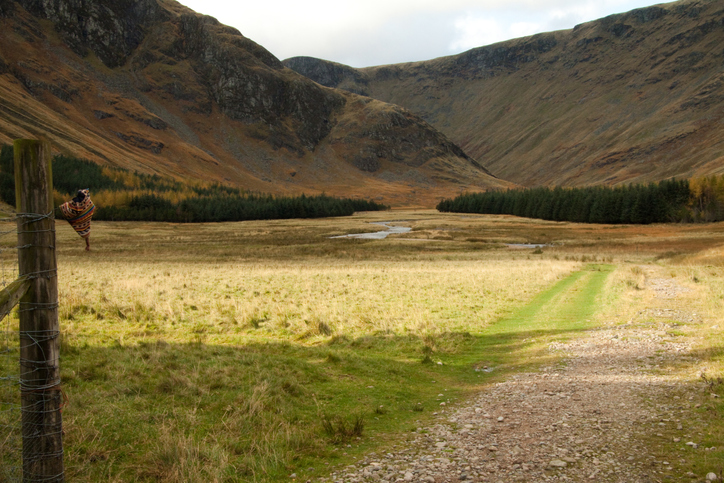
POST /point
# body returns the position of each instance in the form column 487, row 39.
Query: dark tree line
column 217, row 208
column 661, row 202
column 122, row 195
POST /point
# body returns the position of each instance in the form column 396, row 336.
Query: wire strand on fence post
column 40, row 391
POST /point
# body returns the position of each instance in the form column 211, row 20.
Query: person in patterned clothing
column 79, row 212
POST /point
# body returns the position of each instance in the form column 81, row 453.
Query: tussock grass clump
column 341, row 430
column 177, row 458
column 714, row 383
column 324, row 329
column 339, row 339
column 333, row 357
column 632, row 277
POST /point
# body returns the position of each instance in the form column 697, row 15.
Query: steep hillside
column 628, row 98
column 151, row 85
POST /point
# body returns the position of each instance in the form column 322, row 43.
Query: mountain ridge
column 632, row 97
column 151, row 85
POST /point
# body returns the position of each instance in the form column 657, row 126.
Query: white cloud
column 479, row 27
column 523, row 29
column 473, row 31
column 477, row 30
column 377, row 32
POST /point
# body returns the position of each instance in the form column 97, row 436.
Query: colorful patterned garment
column 79, row 212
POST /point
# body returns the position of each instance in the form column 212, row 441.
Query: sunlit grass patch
column 217, row 352
column 306, row 301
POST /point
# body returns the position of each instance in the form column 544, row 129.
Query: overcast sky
column 364, row 33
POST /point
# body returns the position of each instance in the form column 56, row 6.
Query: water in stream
column 378, row 235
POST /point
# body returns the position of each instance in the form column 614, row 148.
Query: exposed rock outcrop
column 111, row 30
column 151, row 85
column 331, row 74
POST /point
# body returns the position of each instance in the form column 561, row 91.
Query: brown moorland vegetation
column 633, row 97
column 183, row 95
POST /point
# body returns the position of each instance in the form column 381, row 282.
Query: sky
column 365, row 33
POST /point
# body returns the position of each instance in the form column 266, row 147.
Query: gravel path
column 586, row 419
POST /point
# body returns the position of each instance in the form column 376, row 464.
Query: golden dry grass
column 177, row 339
column 222, row 302
column 287, row 279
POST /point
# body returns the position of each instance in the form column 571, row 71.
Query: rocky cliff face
column 628, row 98
column 151, row 85
column 111, row 30
column 331, row 74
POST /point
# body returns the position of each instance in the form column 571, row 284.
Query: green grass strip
column 561, row 311
column 567, row 306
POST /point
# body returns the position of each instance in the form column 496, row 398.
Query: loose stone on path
column 574, row 421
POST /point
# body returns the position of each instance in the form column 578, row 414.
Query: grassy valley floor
column 259, row 350
column 617, row 405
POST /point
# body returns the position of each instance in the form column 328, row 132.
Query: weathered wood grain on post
column 41, row 396
column 11, row 295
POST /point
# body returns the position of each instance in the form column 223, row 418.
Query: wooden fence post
column 40, row 392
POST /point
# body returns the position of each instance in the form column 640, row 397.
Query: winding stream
column 526, row 245
column 378, row 235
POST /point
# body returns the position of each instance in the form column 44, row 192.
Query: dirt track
column 598, row 416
